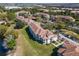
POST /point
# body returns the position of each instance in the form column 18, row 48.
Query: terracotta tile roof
column 63, row 17
column 37, row 29
column 69, row 49
column 61, row 50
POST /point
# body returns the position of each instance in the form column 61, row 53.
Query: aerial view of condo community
column 39, row 29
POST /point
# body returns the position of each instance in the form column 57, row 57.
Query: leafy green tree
column 3, row 15
column 11, row 15
column 2, row 8
column 2, row 31
column 60, row 25
column 19, row 24
column 11, row 44
column 38, row 19
column 33, row 10
column 48, row 26
column 11, row 36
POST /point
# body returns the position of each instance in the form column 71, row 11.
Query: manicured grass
column 71, row 33
column 28, row 50
column 40, row 49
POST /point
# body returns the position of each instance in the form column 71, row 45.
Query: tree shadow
column 54, row 53
column 31, row 36
column 3, row 50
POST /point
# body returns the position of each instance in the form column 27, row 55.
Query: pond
column 3, row 49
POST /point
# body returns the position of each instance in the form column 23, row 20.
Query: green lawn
column 39, row 49
column 71, row 33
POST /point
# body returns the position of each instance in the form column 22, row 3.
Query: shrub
column 19, row 24
column 11, row 36
column 2, row 30
column 13, row 33
column 11, row 44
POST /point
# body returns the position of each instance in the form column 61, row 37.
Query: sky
column 39, row 1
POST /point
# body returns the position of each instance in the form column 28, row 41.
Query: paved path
column 19, row 48
column 23, row 46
